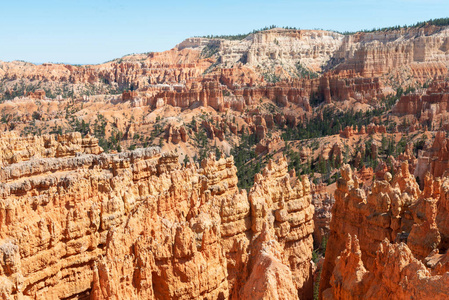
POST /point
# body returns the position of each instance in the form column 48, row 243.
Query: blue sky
column 81, row 31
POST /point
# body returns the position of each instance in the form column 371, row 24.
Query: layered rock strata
column 421, row 50
column 14, row 148
column 137, row 225
column 357, row 66
column 398, row 238
column 425, row 104
column 373, row 215
column 435, row 159
column 136, row 71
column 397, row 275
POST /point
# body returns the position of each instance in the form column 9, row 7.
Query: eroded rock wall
column 137, row 225
column 14, row 148
column 397, row 275
column 390, row 240
column 356, row 66
column 135, row 71
column 384, row 212
column 378, row 53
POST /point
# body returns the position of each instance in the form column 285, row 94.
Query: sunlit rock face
column 137, row 225
column 389, row 240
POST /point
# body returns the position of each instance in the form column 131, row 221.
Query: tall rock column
column 284, row 203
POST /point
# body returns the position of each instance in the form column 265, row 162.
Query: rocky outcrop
column 426, row 107
column 396, row 231
column 15, row 149
column 209, row 92
column 137, row 225
column 434, row 97
column 323, row 203
column 175, row 134
column 373, row 129
column 384, row 212
column 286, row 203
column 349, row 131
column 239, row 76
column 397, row 275
column 129, row 95
column 356, row 60
column 38, row 94
column 434, row 160
column 283, row 65
column 213, row 131
column 133, row 71
column 312, row 48
column 267, row 145
column 364, row 90
column 378, row 53
column 270, row 278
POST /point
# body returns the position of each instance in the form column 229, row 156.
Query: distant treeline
column 244, row 35
column 435, row 22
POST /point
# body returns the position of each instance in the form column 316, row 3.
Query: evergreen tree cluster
column 234, row 37
column 247, row 162
column 434, row 22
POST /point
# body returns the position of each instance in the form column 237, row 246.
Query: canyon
column 275, row 54
column 282, row 164
column 76, row 222
column 395, row 242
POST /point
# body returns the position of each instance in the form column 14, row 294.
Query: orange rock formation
column 396, row 238
column 397, row 275
column 383, row 212
column 137, row 225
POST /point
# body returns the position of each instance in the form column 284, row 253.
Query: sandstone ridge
column 138, row 225
column 407, row 56
column 393, row 232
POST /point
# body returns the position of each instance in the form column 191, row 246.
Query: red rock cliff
column 137, row 225
column 398, row 239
